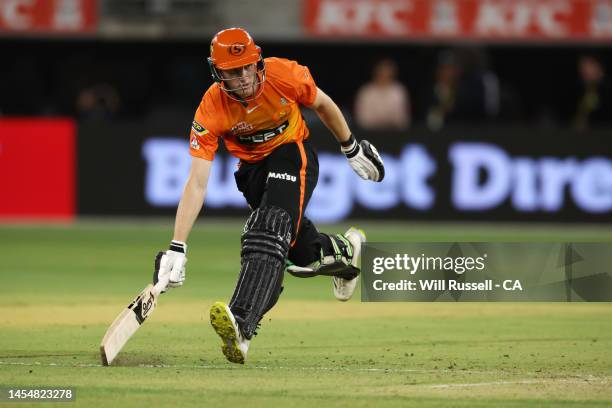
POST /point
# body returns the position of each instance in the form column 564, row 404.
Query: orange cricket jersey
column 252, row 132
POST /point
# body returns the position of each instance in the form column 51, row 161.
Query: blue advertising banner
column 511, row 174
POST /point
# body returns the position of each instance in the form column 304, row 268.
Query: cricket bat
column 129, row 321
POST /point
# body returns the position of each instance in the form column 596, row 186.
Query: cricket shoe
column 344, row 288
column 235, row 345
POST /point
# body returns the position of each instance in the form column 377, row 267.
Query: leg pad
column 265, row 244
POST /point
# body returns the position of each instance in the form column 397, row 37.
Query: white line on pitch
column 582, row 380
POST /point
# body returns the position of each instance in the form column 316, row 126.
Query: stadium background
column 146, row 61
column 88, row 192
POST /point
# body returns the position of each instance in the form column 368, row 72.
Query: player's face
column 241, row 81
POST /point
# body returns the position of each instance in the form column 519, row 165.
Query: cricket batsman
column 254, row 107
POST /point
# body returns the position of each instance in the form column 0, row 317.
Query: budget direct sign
column 460, row 173
column 64, row 16
column 487, row 20
column 475, row 178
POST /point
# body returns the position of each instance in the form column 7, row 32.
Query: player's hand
column 364, row 159
column 171, row 264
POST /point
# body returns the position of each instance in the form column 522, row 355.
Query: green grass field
column 62, row 286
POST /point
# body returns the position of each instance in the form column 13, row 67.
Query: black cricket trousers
column 286, row 179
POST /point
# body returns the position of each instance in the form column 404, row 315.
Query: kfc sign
column 48, row 15
column 462, row 19
column 524, row 18
column 384, row 17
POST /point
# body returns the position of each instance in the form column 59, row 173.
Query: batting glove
column 171, row 264
column 364, row 159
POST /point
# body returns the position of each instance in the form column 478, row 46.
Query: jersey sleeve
column 305, row 85
column 204, row 135
column 294, row 79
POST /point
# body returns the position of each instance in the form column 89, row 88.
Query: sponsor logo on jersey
column 195, row 145
column 252, row 109
column 282, row 176
column 241, row 127
column 264, row 135
column 198, row 129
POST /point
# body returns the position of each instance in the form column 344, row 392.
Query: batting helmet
column 235, row 48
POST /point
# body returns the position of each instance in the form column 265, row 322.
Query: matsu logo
column 282, row 176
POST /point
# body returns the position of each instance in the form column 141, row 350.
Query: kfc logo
column 489, row 20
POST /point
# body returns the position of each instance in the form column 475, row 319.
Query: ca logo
column 237, row 49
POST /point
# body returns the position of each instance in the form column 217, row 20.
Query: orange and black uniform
column 278, row 166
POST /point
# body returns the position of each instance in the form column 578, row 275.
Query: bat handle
column 161, row 285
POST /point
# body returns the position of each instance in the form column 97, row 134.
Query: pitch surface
column 62, row 287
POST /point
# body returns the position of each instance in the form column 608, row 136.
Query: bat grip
column 161, row 285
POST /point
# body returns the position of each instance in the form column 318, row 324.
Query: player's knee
column 268, row 231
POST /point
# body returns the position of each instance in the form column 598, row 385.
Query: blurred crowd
column 465, row 90
column 407, row 86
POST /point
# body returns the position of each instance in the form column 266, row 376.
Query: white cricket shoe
column 344, row 288
column 235, row 345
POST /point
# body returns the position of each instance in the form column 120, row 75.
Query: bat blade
column 127, row 323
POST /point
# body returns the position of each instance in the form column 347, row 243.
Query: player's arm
column 331, row 116
column 172, row 262
column 192, row 199
column 362, row 156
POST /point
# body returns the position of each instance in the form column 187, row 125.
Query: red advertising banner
column 37, row 169
column 482, row 20
column 62, row 16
